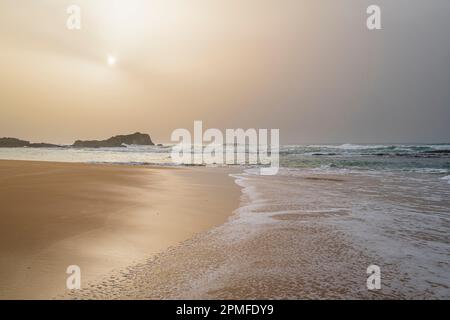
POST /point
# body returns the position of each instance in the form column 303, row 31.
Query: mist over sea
column 387, row 205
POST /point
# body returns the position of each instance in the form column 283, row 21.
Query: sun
column 111, row 60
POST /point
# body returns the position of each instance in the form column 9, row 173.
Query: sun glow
column 111, row 60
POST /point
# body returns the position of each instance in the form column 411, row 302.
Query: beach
column 140, row 228
column 305, row 234
column 100, row 217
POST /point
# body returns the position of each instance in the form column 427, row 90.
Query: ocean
column 422, row 158
column 312, row 230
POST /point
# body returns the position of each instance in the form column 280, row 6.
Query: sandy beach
column 99, row 217
column 298, row 235
column 148, row 232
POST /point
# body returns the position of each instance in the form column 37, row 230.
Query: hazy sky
column 310, row 68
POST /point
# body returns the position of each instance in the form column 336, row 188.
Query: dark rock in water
column 324, row 154
column 116, row 141
column 43, row 145
column 135, row 138
column 13, row 143
column 160, row 145
column 17, row 143
column 96, row 144
column 437, row 151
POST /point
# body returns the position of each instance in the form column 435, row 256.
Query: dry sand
column 99, row 217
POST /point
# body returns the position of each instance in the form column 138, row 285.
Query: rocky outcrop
column 17, row 143
column 116, row 141
column 44, row 145
column 13, row 143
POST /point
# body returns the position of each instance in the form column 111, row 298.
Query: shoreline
column 295, row 236
column 102, row 217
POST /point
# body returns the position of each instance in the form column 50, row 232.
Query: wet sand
column 276, row 246
column 100, row 217
column 234, row 261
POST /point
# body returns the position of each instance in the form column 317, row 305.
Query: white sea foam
column 400, row 219
column 349, row 146
column 429, row 170
column 446, row 178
